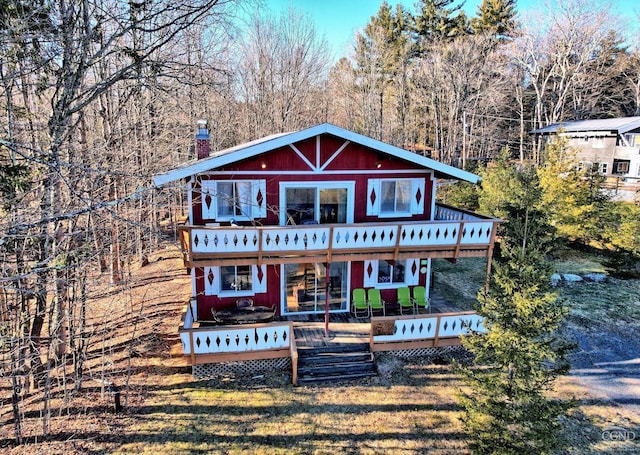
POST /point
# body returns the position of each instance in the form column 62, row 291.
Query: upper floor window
column 234, row 198
column 223, row 200
column 632, row 139
column 395, row 197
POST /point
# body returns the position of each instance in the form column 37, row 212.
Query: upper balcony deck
column 453, row 234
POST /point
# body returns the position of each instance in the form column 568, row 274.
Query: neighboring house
column 296, row 221
column 613, row 145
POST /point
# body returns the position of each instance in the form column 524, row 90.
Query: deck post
column 487, row 280
column 326, row 298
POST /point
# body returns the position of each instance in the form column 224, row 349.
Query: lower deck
column 344, row 328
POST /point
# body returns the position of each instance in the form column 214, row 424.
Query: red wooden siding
column 354, row 159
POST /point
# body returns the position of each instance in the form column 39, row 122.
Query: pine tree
column 440, row 20
column 571, row 194
column 495, row 17
column 506, row 406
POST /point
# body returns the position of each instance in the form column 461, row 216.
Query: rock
column 596, row 277
column 570, row 277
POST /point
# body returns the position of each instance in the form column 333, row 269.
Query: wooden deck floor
column 343, row 327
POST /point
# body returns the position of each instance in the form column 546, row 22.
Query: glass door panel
column 305, row 287
column 333, row 205
column 301, row 205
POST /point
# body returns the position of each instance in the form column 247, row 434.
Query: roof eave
column 250, row 151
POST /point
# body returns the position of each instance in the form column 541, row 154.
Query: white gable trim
column 302, row 157
column 336, row 153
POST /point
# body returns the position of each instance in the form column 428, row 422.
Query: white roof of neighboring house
column 617, row 125
column 250, row 149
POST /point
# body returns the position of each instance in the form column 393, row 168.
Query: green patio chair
column 420, row 298
column 376, row 304
column 359, row 303
column 404, row 301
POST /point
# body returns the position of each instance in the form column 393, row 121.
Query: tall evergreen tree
column 382, row 54
column 439, row 20
column 495, row 17
column 571, row 194
column 506, row 406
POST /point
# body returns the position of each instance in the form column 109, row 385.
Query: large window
column 317, row 203
column 306, row 287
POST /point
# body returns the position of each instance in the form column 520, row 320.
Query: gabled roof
column 250, row 149
column 619, row 125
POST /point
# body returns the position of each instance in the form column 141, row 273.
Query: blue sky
column 339, row 20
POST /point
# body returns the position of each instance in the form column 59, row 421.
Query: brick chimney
column 202, row 140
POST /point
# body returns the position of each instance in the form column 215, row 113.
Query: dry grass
column 236, row 416
column 408, row 409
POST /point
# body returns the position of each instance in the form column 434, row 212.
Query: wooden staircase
column 340, row 362
column 345, row 356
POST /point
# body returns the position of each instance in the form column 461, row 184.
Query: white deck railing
column 430, row 330
column 225, row 341
column 453, row 229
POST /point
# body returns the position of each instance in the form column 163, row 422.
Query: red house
column 297, row 221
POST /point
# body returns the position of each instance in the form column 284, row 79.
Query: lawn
column 237, row 415
column 409, row 408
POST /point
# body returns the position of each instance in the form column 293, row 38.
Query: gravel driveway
column 607, row 363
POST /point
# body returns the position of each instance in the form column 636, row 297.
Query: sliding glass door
column 317, row 203
column 305, row 284
column 306, row 287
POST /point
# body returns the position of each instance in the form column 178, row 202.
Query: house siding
column 310, row 160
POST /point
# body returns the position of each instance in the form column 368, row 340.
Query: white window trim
column 258, row 187
column 625, row 169
column 410, row 278
column 349, row 185
column 214, row 288
column 374, row 187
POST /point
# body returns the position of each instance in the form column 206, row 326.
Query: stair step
column 334, row 378
column 338, row 357
column 337, row 368
column 346, row 347
column 332, row 363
